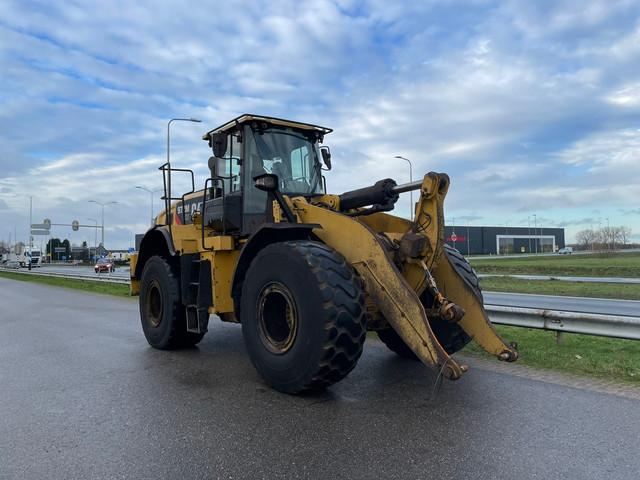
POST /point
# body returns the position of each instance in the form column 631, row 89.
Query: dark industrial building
column 504, row 240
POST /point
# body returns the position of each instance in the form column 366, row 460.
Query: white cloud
column 525, row 106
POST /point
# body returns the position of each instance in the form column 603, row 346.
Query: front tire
column 302, row 314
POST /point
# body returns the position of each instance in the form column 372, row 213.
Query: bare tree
column 586, row 238
column 624, row 233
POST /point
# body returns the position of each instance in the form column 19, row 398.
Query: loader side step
column 196, row 291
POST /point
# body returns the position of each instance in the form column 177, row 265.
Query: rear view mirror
column 218, row 142
column 326, row 156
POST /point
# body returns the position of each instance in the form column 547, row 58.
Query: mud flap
column 450, row 277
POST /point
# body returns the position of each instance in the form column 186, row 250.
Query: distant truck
column 13, row 259
column 34, row 257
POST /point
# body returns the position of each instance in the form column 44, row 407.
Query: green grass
column 560, row 287
column 613, row 359
column 85, row 285
column 602, row 265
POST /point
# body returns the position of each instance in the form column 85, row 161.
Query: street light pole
column 95, row 237
column 535, row 230
column 151, row 192
column 410, row 180
column 102, row 205
column 167, row 200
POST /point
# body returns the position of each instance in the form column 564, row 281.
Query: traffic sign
column 454, row 237
column 40, row 226
column 75, row 225
column 59, row 249
column 38, row 231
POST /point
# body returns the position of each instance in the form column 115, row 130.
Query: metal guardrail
column 88, row 278
column 616, row 326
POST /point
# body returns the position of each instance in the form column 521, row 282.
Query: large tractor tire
column 302, row 314
column 450, row 335
column 161, row 312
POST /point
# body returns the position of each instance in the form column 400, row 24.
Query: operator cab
column 250, row 146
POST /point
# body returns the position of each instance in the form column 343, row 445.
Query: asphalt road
column 83, row 396
column 570, row 304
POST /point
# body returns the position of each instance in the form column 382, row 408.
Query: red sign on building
column 456, row 238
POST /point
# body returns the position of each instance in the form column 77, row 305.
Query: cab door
column 223, row 208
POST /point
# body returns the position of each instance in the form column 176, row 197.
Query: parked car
column 565, row 251
column 104, row 265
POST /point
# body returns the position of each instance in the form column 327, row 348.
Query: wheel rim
column 277, row 318
column 154, row 304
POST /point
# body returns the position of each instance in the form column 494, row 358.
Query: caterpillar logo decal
column 189, row 207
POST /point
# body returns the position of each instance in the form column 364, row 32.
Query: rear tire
column 450, row 335
column 302, row 314
column 161, row 312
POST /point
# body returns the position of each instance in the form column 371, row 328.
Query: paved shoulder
column 83, row 396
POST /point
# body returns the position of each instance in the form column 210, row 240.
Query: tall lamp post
column 410, row 180
column 535, row 230
column 102, row 205
column 167, row 200
column 95, row 237
column 151, row 192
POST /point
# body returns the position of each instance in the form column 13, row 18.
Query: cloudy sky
column 530, row 107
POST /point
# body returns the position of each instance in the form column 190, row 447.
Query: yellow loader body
column 363, row 269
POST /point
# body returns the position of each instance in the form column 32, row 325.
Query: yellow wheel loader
column 306, row 273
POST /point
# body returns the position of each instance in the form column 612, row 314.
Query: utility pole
column 95, row 237
column 102, row 205
column 30, row 223
column 30, row 236
column 535, row 230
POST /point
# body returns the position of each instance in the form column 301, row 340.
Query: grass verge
column 560, row 287
column 598, row 265
column 85, row 285
column 609, row 358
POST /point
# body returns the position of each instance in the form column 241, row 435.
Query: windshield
column 292, row 156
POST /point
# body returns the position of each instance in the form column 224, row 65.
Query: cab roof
column 248, row 117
